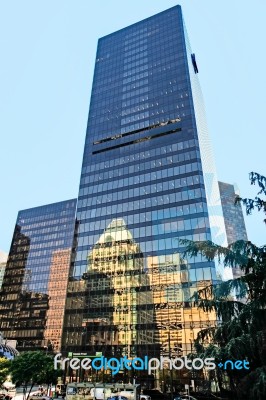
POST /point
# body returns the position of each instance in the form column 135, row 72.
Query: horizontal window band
column 144, row 139
column 143, row 184
column 118, row 136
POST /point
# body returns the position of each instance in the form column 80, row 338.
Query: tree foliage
column 33, row 367
column 256, row 203
column 4, row 369
column 240, row 306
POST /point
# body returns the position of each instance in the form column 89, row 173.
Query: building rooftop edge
column 177, row 7
column 47, row 205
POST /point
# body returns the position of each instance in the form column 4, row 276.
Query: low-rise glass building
column 34, row 288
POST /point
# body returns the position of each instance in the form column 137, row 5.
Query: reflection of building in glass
column 117, row 304
column 57, row 290
column 74, row 309
column 178, row 320
column 10, row 300
column 148, row 167
column 40, row 252
column 3, row 260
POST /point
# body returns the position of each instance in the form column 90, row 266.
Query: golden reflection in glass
column 132, row 301
column 57, row 291
column 115, row 278
column 177, row 317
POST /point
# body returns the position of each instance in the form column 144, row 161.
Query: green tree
column 33, row 367
column 4, row 369
column 240, row 305
column 257, row 203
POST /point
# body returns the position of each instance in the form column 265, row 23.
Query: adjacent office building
column 3, row 260
column 233, row 217
column 148, row 180
column 233, row 214
column 35, row 282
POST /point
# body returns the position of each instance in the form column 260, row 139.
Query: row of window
column 35, row 275
column 140, row 44
column 140, row 47
column 134, row 57
column 20, row 256
column 162, row 228
column 135, row 117
column 141, row 190
column 87, row 244
column 40, row 216
column 149, row 202
column 134, row 33
column 118, row 59
column 136, row 108
column 110, row 67
column 165, row 111
column 106, row 79
column 166, row 215
column 110, row 103
column 133, row 64
column 155, row 108
column 52, row 225
column 159, row 42
column 112, row 94
column 43, row 244
column 110, row 85
column 17, row 267
column 135, row 85
column 160, row 188
column 135, row 78
column 142, row 155
column 117, row 55
column 112, row 125
column 38, row 236
column 154, row 92
column 168, row 103
column 154, row 112
column 144, row 178
column 43, row 220
column 153, row 74
column 150, row 247
column 134, row 93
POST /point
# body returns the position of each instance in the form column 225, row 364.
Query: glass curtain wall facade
column 32, row 300
column 143, row 187
column 233, row 214
column 233, row 217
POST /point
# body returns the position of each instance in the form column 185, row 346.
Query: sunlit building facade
column 148, row 180
column 33, row 293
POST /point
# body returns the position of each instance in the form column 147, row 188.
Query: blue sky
column 47, row 59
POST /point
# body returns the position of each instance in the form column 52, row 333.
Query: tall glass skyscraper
column 148, row 180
